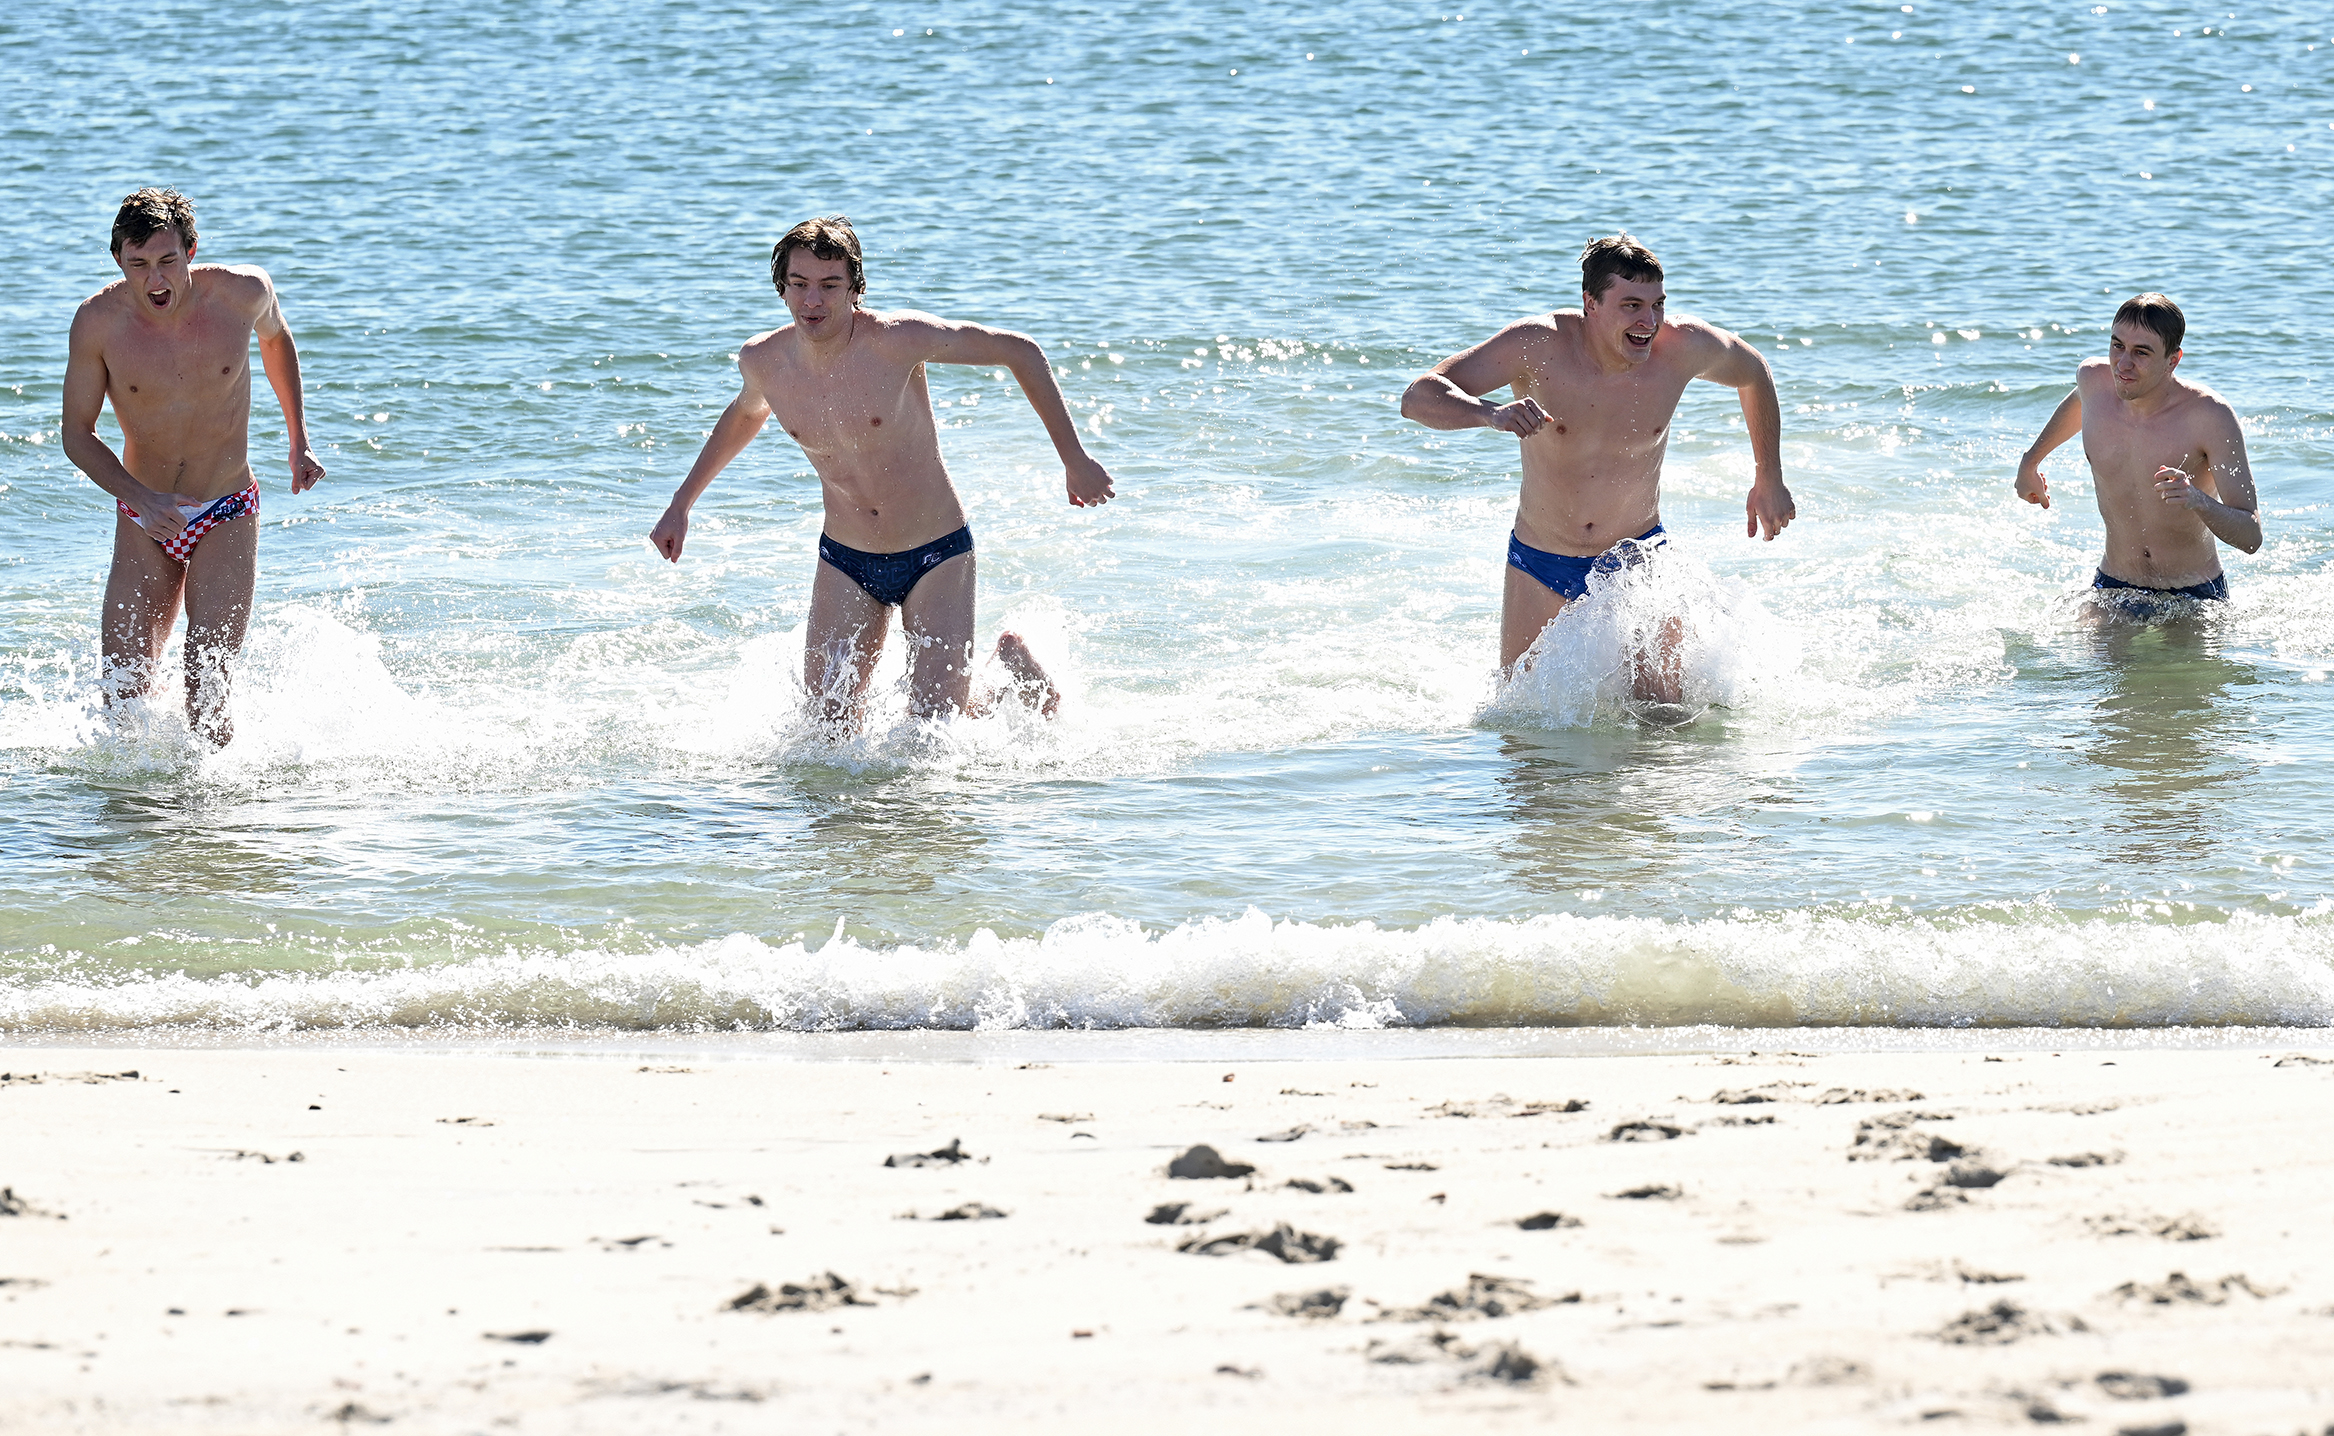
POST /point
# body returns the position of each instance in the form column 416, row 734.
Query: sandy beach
column 261, row 1240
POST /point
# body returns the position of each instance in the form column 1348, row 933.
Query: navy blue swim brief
column 887, row 577
column 1562, row 573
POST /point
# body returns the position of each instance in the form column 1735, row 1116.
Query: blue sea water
column 500, row 767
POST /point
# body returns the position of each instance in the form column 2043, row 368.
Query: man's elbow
column 1414, row 401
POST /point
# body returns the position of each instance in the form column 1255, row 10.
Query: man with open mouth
column 2167, row 466
column 169, row 346
column 1595, row 389
column 847, row 383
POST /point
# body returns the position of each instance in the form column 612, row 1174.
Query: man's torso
column 182, row 393
column 1592, row 474
column 2149, row 542
column 865, row 421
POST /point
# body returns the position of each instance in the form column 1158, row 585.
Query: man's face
column 1624, row 321
column 818, row 294
column 2136, row 355
column 157, row 271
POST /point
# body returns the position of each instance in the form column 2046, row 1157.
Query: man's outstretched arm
column 2234, row 517
column 943, row 341
column 279, row 357
column 1450, row 395
column 735, row 429
column 1742, row 368
column 2066, row 421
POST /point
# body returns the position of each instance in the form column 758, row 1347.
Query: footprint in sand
column 1652, row 1192
column 2088, row 1159
column 1645, row 1132
column 1319, row 1305
column 1892, row 1137
column 1182, row 1214
column 947, row 1156
column 2131, row 1386
column 2189, row 1228
column 818, row 1293
column 1328, row 1184
column 1546, row 1221
column 966, row 1212
column 2003, row 1323
column 517, row 1338
column 2178, row 1290
column 1483, row 1297
column 1503, row 1361
column 1284, row 1242
column 1203, row 1163
column 1291, row 1135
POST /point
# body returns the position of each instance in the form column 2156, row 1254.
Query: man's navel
column 876, row 422
column 1562, row 430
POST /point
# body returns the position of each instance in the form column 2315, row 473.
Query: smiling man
column 1595, row 390
column 170, row 346
column 847, row 384
column 2167, row 462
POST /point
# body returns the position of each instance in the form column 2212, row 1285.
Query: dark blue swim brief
column 887, row 577
column 1562, row 573
column 2216, row 587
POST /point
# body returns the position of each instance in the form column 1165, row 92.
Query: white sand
column 166, row 1276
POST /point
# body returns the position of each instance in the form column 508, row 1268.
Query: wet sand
column 262, row 1240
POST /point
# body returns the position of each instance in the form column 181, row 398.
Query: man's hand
column 669, row 534
column 2031, row 486
column 1089, row 483
column 2174, row 486
column 305, row 469
column 1770, row 508
column 161, row 517
column 1522, row 418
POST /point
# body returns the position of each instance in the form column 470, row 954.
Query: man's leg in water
column 840, row 645
column 1527, row 607
column 220, row 577
column 141, row 604
column 1656, row 675
column 937, row 618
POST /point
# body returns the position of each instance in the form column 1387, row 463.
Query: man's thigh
column 220, row 576
column 141, row 595
column 844, row 634
column 938, row 617
column 1528, row 607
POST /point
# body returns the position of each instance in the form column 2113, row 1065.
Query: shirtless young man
column 847, row 384
column 170, row 346
column 2167, row 459
column 1595, row 390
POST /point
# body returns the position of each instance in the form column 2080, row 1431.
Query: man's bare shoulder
column 1687, row 332
column 2203, row 407
column 908, row 327
column 247, row 286
column 101, row 312
column 2092, row 372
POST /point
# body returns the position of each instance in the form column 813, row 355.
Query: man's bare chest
column 1603, row 416
column 849, row 414
column 197, row 367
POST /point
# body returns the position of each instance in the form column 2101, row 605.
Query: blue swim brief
column 887, row 577
column 2216, row 587
column 1562, row 573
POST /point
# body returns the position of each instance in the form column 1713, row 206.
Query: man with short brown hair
column 2167, row 464
column 1595, row 390
column 847, row 384
column 170, row 346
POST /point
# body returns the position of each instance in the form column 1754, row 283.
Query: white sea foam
column 1100, row 972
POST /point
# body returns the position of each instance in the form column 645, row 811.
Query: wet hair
column 829, row 236
column 1616, row 256
column 2157, row 314
column 151, row 211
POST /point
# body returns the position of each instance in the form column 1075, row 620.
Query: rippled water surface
column 499, row 765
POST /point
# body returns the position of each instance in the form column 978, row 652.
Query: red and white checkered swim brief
column 217, row 512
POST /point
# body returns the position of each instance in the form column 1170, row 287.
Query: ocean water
column 500, row 768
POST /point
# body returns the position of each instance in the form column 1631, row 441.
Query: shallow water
column 500, row 766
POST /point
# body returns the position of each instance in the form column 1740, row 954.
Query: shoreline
column 1757, row 1236
column 1189, row 1044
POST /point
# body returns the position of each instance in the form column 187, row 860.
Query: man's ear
column 2173, row 362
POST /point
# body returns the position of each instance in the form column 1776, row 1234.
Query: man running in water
column 1595, row 390
column 2167, row 460
column 847, row 384
column 170, row 346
